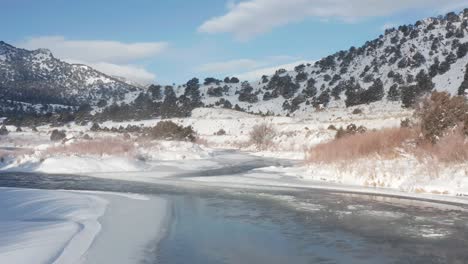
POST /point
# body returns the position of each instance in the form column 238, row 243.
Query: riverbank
column 223, row 142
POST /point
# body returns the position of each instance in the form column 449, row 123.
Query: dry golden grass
column 14, row 153
column 97, row 147
column 388, row 143
column 383, row 142
column 453, row 147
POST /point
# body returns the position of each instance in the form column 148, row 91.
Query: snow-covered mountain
column 38, row 77
column 399, row 65
column 402, row 61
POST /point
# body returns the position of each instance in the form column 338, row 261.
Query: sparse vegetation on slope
column 439, row 133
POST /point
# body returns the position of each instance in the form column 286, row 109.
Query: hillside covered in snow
column 406, row 60
column 398, row 66
column 37, row 77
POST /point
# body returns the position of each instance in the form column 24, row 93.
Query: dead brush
column 112, row 146
column 262, row 136
column 383, row 142
column 451, row 148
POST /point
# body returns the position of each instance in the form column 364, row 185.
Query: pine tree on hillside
column 192, row 90
column 169, row 106
column 246, row 93
column 423, row 85
column 463, row 89
column 155, row 91
column 374, row 93
column 424, row 82
column 310, row 90
column 393, row 93
column 353, row 95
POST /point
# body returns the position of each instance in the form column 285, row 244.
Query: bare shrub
column 405, row 122
column 382, row 142
column 357, row 111
column 168, row 130
column 202, row 141
column 439, row 113
column 465, row 126
column 452, row 147
column 94, row 147
column 262, row 136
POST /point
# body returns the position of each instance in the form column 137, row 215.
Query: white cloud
column 388, row 26
column 248, row 68
column 252, row 17
column 110, row 57
column 258, row 73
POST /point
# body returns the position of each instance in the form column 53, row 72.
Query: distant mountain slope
column 395, row 65
column 399, row 65
column 38, row 77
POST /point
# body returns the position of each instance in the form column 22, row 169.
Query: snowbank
column 68, row 158
column 131, row 229
column 405, row 174
column 44, row 226
column 47, row 226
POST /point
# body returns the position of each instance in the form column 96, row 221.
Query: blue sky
column 174, row 40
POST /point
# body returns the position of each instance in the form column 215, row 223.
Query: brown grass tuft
column 452, row 147
column 382, row 142
column 95, row 147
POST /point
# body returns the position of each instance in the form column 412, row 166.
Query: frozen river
column 236, row 225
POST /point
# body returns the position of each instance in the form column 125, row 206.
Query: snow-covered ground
column 150, row 160
column 43, row 226
column 70, row 227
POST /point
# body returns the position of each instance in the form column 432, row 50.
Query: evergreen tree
column 374, row 93
column 192, row 91
column 155, row 91
column 423, row 85
column 463, row 89
column 246, row 95
column 169, row 106
column 394, row 93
